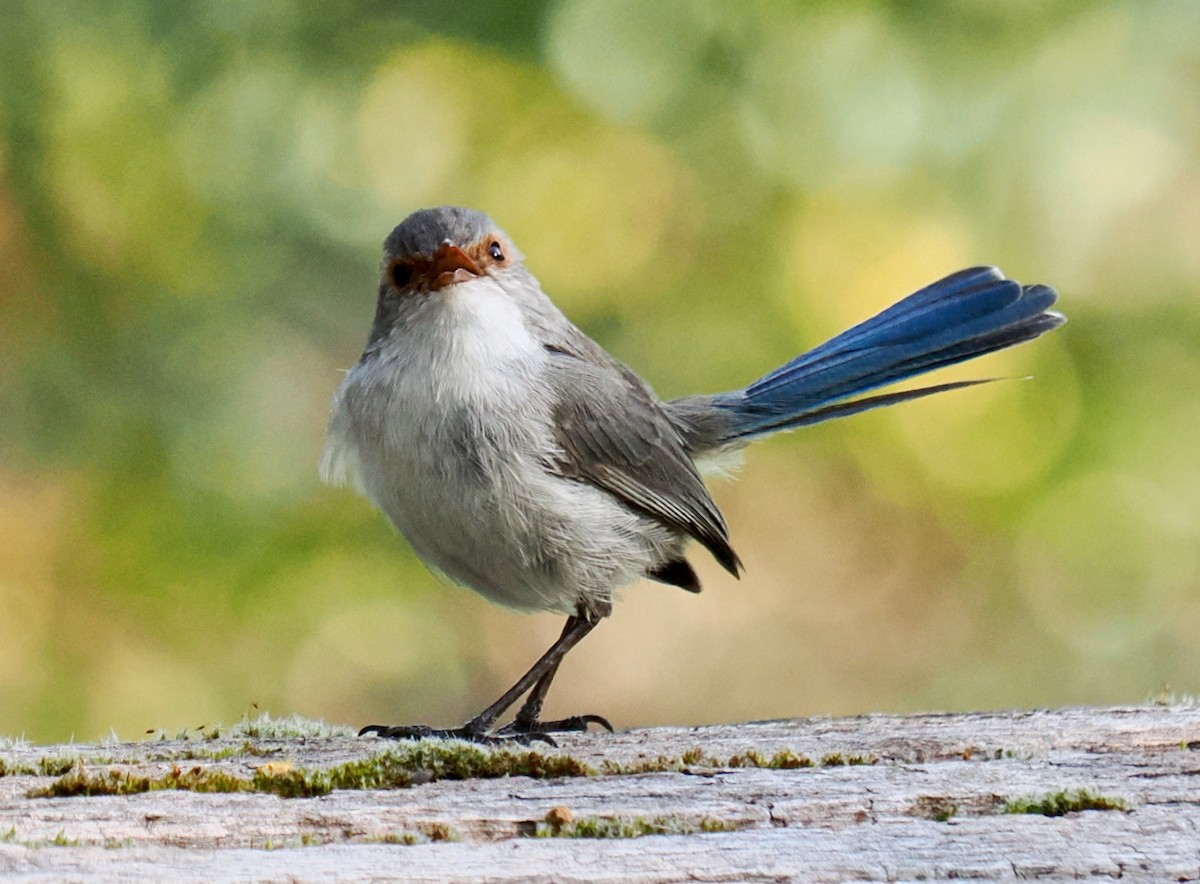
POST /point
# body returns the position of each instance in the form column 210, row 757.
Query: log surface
column 926, row 802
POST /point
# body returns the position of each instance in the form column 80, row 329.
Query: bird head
column 436, row 249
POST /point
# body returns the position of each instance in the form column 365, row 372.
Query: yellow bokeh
column 191, row 208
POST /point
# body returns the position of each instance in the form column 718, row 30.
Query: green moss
column 47, row 766
column 789, row 760
column 692, row 756
column 308, row 839
column 119, row 782
column 783, row 760
column 836, row 759
column 631, row 827
column 51, row 766
column 61, row 840
column 405, row 764
column 661, row 764
column 1061, row 803
column 426, row 761
column 407, row 838
column 426, row 833
column 398, row 768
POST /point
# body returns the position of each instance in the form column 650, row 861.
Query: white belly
column 452, row 438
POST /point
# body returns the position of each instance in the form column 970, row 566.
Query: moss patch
column 395, row 769
column 46, row 766
column 631, row 827
column 406, row 764
column 1062, row 803
column 785, row 759
column 836, row 759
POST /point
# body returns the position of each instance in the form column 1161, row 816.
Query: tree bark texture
column 878, row 797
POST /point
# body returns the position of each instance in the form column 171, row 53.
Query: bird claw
column 524, row 733
column 466, row 732
column 574, row 724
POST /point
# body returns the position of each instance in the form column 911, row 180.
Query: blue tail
column 965, row 315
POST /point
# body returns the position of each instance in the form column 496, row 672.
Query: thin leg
column 529, row 718
column 478, row 727
column 531, row 710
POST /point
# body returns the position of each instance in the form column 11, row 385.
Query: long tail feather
column 967, row 314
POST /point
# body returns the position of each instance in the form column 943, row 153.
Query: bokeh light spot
column 999, row 437
column 413, row 126
column 627, row 59
column 1107, row 562
column 589, row 208
column 832, row 98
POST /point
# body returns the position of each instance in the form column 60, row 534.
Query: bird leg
column 526, row 728
column 528, row 720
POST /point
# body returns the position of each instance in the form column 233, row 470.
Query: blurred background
column 192, row 200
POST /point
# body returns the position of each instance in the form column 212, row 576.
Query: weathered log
column 879, row 797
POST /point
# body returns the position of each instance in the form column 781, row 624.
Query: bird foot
column 466, row 732
column 574, row 724
column 520, row 731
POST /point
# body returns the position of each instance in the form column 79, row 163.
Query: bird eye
column 495, row 251
column 401, row 273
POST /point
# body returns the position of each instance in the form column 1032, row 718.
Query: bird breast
column 448, row 429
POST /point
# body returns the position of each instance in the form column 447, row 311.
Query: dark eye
column 401, row 273
column 495, row 251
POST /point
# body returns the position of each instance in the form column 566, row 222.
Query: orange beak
column 450, row 265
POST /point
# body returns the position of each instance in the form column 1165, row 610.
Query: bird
column 519, row 458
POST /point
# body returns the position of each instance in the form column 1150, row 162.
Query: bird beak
column 450, row 265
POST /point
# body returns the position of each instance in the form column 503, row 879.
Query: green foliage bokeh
column 192, row 196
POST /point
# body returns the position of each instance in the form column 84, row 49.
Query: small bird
column 520, row 459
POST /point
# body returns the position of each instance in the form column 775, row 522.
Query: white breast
column 469, row 351
column 448, row 431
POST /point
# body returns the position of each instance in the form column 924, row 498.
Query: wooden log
column 877, row 797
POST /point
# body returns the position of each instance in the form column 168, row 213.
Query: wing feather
column 615, row 434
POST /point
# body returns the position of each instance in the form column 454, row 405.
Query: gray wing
column 615, row 434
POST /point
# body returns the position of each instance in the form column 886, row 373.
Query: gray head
column 435, row 248
column 434, row 255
